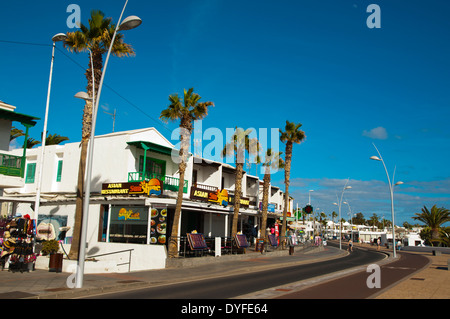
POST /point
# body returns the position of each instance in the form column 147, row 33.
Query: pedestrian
column 378, row 243
column 290, row 242
column 350, row 245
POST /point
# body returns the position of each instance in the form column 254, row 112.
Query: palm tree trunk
column 237, row 197
column 287, row 174
column 75, row 246
column 86, row 134
column 265, row 202
column 435, row 237
column 185, row 137
column 173, row 242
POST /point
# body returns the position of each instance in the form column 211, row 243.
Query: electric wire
column 84, row 69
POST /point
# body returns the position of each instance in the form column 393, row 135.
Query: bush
column 50, row 247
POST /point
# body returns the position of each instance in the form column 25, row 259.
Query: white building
column 12, row 165
column 128, row 210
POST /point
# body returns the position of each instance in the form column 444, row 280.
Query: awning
column 14, row 116
column 152, row 147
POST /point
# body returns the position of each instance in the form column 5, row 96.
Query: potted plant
column 51, row 247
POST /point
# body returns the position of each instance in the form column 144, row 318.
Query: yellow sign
column 128, row 215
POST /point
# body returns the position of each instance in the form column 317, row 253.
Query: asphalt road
column 238, row 285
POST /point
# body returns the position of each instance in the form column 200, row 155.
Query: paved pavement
column 431, row 282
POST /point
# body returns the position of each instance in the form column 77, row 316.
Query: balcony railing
column 170, row 183
column 10, row 165
column 206, row 187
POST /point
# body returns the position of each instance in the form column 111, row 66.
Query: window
column 31, row 171
column 128, row 224
column 153, row 166
column 59, row 172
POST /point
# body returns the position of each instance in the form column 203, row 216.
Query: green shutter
column 59, row 173
column 31, row 170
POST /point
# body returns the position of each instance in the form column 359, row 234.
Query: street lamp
column 128, row 23
column 311, row 190
column 56, row 38
column 351, row 220
column 339, row 203
column 391, row 192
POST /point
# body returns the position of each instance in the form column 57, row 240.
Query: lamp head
column 59, row 37
column 83, row 96
column 129, row 23
column 375, row 158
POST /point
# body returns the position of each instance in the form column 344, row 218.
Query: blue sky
column 262, row 63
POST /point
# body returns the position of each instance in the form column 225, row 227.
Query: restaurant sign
column 245, row 201
column 217, row 197
column 151, row 187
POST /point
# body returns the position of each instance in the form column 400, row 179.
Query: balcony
column 11, row 165
column 170, row 183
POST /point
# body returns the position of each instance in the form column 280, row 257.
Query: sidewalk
column 431, row 282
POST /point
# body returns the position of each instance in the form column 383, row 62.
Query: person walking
column 350, row 245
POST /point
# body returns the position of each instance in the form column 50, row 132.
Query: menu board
column 273, row 240
column 196, row 241
column 158, row 224
column 241, row 241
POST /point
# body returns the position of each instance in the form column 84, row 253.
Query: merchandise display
column 18, row 236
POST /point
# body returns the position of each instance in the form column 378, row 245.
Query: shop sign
column 151, row 187
column 218, row 197
column 270, row 207
column 245, row 201
column 125, row 214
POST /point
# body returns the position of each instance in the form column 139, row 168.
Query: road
column 238, row 285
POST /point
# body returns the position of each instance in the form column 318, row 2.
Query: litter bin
column 55, row 263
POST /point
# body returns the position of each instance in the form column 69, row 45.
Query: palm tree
column 433, row 218
column 96, row 38
column 31, row 142
column 374, row 220
column 55, row 139
column 15, row 133
column 334, row 215
column 187, row 111
column 292, row 134
column 444, row 234
column 240, row 143
column 272, row 161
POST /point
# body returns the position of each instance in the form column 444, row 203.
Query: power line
column 107, row 86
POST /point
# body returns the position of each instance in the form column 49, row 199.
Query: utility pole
column 113, row 117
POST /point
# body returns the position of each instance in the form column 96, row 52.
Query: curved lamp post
column 56, row 38
column 391, row 192
column 339, row 204
column 128, row 23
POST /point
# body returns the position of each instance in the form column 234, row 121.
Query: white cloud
column 371, row 196
column 378, row 133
